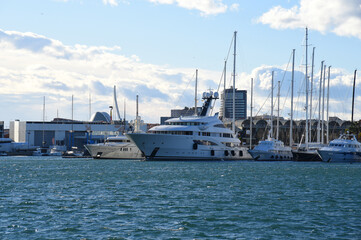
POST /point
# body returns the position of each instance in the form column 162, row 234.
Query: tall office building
column 240, row 104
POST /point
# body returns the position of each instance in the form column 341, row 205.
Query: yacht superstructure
column 201, row 137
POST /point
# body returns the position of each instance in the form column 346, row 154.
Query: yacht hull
column 183, row 147
column 306, row 156
column 259, row 155
column 339, row 156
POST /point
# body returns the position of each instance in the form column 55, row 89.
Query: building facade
column 66, row 132
column 1, row 129
column 226, row 109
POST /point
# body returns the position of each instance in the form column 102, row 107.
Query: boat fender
column 226, row 153
column 232, row 152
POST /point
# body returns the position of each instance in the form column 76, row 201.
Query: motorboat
column 346, row 148
column 271, row 150
column 115, row 147
column 195, row 137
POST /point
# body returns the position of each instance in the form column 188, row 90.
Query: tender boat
column 346, row 148
column 118, row 147
column 201, row 137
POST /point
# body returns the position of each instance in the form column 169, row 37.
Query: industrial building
column 66, row 132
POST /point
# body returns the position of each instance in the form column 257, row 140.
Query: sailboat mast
column 195, row 95
column 353, row 94
column 328, row 96
column 323, row 106
column 251, row 120
column 271, row 134
column 234, row 85
column 311, row 92
column 224, row 91
column 319, row 106
column 306, row 80
column 278, row 109
column 43, row 143
column 292, row 83
column 116, row 102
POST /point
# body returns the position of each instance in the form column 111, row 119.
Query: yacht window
column 204, row 142
column 219, row 126
column 227, row 135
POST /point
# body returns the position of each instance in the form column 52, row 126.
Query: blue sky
column 56, row 48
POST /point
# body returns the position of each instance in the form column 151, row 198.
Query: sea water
column 55, row 198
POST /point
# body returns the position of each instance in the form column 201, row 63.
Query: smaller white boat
column 117, row 147
column 346, row 148
column 271, row 150
column 42, row 151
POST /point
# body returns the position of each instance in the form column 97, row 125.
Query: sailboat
column 272, row 149
column 308, row 150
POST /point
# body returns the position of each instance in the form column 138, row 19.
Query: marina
column 178, row 119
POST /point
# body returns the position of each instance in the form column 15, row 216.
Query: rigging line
column 284, row 103
column 220, row 81
column 191, row 79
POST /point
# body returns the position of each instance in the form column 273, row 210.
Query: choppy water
column 54, row 198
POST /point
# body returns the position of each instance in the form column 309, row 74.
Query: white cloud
column 342, row 17
column 34, row 66
column 206, row 7
column 111, row 2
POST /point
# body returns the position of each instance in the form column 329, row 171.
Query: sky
column 152, row 48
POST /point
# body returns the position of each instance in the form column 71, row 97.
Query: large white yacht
column 271, row 150
column 346, row 148
column 118, row 147
column 201, row 137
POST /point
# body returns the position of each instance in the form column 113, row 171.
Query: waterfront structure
column 226, row 108
column 201, row 137
column 65, row 132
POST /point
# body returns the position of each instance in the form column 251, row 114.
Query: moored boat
column 346, row 148
column 118, row 147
